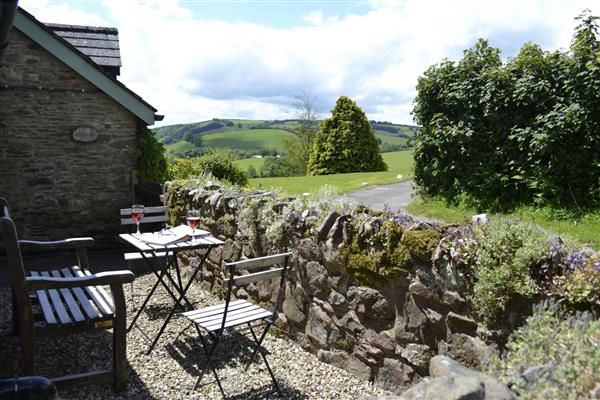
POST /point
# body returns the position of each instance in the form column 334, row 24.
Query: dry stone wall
column 387, row 334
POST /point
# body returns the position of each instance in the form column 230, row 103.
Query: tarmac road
column 395, row 196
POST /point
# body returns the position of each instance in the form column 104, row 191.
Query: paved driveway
column 395, row 196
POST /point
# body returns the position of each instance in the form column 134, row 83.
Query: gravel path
column 172, row 369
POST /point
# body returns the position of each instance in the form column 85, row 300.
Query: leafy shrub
column 509, row 252
column 579, row 286
column 279, row 166
column 559, row 351
column 345, row 142
column 152, row 163
column 505, row 134
column 218, row 163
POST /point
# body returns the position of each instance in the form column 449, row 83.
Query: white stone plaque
column 84, row 134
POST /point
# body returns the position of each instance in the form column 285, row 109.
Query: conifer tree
column 345, row 143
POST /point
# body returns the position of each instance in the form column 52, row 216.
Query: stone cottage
column 68, row 130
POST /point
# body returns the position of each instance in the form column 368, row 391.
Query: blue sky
column 195, row 59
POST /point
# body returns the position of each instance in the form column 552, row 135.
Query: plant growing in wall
column 152, row 161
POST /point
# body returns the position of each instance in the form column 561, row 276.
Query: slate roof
column 98, row 43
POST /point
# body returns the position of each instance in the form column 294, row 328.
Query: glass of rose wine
column 193, row 219
column 137, row 213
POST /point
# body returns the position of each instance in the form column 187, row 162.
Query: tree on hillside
column 298, row 145
column 345, row 143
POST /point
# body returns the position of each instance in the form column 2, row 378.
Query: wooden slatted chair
column 67, row 300
column 152, row 215
column 214, row 321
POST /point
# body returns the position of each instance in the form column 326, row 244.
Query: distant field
column 252, row 136
column 386, row 138
column 248, row 139
column 246, row 162
column 399, row 163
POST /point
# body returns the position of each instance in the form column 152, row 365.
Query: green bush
column 508, row 134
column 218, row 163
column 579, row 285
column 152, row 162
column 509, row 252
column 345, row 143
column 563, row 348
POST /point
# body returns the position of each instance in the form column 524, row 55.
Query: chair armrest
column 33, row 283
column 67, row 244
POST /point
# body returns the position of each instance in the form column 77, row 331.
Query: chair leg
column 208, row 364
column 119, row 340
column 131, row 286
column 258, row 349
column 27, row 347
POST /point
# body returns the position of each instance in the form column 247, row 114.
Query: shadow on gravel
column 267, row 392
column 234, row 351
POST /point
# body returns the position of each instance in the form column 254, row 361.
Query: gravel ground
column 170, row 372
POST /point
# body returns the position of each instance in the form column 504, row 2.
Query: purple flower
column 597, row 266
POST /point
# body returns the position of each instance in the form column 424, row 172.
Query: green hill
column 250, row 137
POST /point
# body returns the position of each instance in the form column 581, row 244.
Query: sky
column 195, row 60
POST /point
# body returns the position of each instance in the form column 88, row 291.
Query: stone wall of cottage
column 56, row 186
column 386, row 334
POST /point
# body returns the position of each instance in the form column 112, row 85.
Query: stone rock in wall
column 394, row 375
column 461, row 324
column 466, row 349
column 293, row 304
column 338, row 231
column 216, row 255
column 231, row 251
column 368, row 353
column 350, row 323
column 318, row 326
column 417, row 355
column 317, row 279
column 369, row 302
column 326, row 225
column 447, row 388
column 336, row 299
column 401, row 334
column 345, row 361
column 442, row 366
column 307, row 248
column 332, row 259
column 453, row 300
column 340, row 283
column 383, row 340
column 417, row 289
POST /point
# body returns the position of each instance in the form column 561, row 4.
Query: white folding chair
column 212, row 322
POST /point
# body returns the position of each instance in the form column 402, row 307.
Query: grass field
column 584, row 229
column 399, row 163
column 246, row 162
column 249, row 139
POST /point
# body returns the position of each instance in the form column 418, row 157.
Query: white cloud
column 193, row 69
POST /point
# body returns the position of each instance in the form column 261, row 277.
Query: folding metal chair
column 215, row 320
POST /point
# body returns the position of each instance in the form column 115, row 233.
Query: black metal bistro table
column 161, row 259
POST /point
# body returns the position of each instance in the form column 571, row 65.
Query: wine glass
column 193, row 219
column 137, row 213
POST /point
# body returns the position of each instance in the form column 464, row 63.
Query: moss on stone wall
column 421, row 243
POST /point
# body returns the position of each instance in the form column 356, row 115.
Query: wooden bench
column 65, row 300
column 152, row 215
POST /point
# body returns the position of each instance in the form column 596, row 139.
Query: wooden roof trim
column 81, row 63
